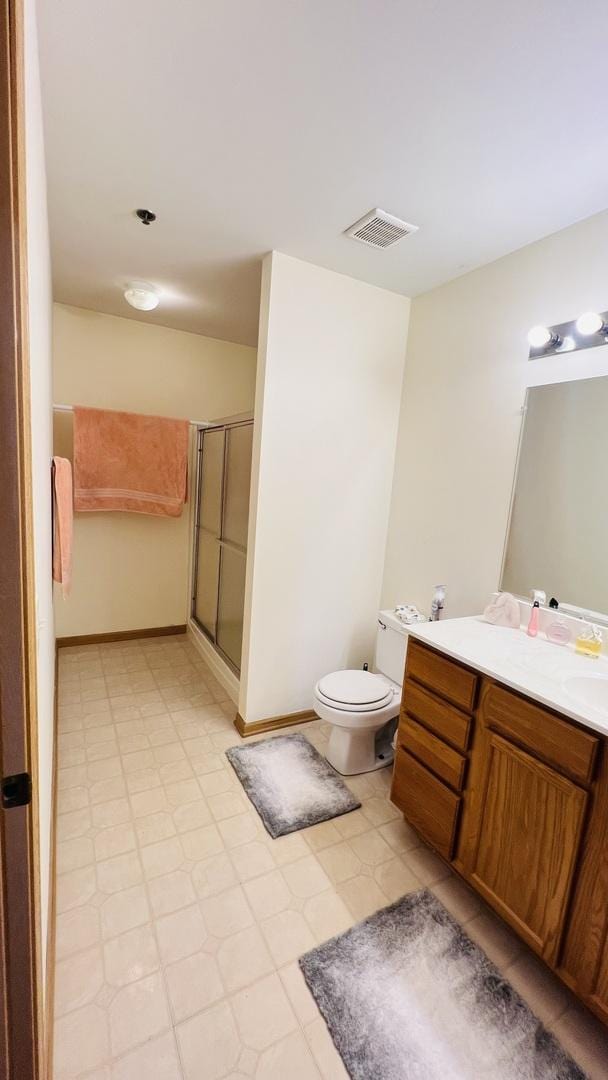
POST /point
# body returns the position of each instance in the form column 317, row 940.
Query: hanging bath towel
column 126, row 461
column 63, row 522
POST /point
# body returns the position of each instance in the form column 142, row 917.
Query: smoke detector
column 379, row 229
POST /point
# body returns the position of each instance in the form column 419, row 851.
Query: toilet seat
column 354, row 691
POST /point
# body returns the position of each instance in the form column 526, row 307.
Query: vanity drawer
column 445, row 762
column 557, row 742
column 446, row 721
column 427, row 804
column 445, row 677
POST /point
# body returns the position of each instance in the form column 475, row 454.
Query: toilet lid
column 355, row 688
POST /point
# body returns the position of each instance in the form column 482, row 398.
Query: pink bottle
column 533, row 624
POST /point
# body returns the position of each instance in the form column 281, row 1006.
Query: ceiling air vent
column 379, row 229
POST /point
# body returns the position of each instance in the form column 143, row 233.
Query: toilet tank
column 391, row 643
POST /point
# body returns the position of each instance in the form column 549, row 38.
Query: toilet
column 363, row 706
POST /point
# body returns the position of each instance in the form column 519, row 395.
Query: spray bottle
column 438, row 602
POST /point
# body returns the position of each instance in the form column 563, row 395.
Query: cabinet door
column 523, row 842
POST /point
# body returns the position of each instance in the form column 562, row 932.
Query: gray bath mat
column 406, row 995
column 290, row 784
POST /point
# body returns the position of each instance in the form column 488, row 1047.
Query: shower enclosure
column 220, row 543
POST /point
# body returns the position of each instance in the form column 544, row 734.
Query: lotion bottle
column 534, row 616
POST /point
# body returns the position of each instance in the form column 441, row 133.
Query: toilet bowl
column 363, row 706
column 358, row 705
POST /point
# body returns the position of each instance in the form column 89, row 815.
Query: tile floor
column 179, row 921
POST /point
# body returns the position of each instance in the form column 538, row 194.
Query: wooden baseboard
column 273, row 722
column 121, row 635
column 51, row 930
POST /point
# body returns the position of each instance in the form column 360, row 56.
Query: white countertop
column 533, row 666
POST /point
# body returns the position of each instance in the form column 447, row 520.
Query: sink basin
column 591, row 690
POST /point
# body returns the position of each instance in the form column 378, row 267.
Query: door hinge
column 16, row 790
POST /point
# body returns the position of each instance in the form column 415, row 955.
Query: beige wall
column 39, row 327
column 331, row 357
column 130, row 570
column 465, row 379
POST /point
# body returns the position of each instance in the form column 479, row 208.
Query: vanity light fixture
column 141, row 295
column 591, row 323
column 586, row 332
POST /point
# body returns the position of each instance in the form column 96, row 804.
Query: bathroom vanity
column 502, row 767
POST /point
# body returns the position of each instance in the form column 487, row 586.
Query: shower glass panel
column 212, row 473
column 236, row 486
column 209, row 527
column 207, row 582
column 221, row 536
column 230, row 607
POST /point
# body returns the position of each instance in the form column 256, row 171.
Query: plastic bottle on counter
column 438, row 602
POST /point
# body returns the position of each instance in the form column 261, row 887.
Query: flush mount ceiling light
column 590, row 323
column 540, row 337
column 141, row 295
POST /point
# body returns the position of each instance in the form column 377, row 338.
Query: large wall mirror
column 558, row 532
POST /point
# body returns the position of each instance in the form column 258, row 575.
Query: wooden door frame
column 20, row 982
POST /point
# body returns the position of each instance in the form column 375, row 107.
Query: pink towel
column 125, row 461
column 63, row 522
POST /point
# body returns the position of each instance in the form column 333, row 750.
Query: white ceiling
column 248, row 125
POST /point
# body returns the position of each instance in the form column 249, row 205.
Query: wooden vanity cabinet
column 515, row 797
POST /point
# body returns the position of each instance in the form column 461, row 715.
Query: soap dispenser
column 589, row 643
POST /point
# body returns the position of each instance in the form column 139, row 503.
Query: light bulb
column 589, row 323
column 142, row 296
column 539, row 336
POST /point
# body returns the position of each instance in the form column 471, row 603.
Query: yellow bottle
column 589, row 643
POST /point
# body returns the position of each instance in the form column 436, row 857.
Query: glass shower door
column 221, row 542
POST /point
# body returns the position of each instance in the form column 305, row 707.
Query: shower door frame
column 23, row 1036
column 224, row 426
